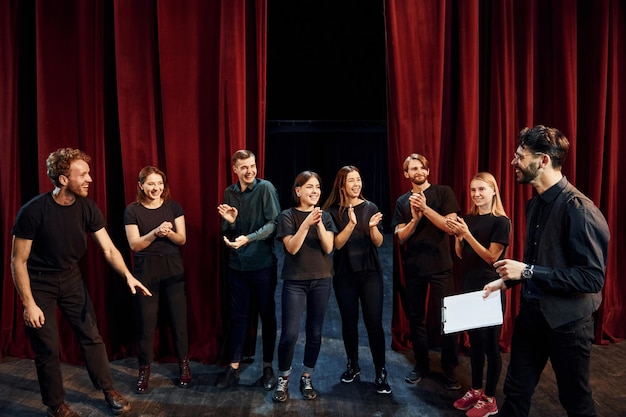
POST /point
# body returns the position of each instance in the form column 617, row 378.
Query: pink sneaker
column 484, row 407
column 470, row 398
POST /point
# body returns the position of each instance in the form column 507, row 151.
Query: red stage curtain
column 9, row 172
column 180, row 85
column 465, row 76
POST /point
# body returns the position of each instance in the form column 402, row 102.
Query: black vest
column 560, row 309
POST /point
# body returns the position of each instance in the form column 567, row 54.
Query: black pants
column 68, row 292
column 366, row 287
column 568, row 348
column 245, row 286
column 485, row 342
column 164, row 277
column 415, row 303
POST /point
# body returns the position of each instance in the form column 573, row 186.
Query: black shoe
column 268, row 380
column 228, row 378
column 116, row 401
column 382, row 387
column 414, row 377
column 63, row 410
column 450, row 381
column 282, row 390
column 351, row 372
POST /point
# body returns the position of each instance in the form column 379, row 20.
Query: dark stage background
column 316, row 85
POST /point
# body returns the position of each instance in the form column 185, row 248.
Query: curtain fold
column 415, row 89
column 9, row 170
column 608, row 148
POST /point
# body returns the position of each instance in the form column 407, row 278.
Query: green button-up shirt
column 257, row 207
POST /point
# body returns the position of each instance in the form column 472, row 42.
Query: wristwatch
column 527, row 273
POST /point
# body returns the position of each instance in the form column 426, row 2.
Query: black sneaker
column 306, row 388
column 450, row 382
column 414, row 377
column 228, row 378
column 282, row 390
column 382, row 387
column 352, row 371
column 268, row 380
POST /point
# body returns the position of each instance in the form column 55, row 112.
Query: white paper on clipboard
column 470, row 311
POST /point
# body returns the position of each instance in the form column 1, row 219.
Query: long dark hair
column 337, row 194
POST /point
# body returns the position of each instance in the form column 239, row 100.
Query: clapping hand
column 228, row 213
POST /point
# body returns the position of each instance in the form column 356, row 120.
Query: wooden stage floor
column 19, row 391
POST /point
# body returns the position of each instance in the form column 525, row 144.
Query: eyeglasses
column 518, row 157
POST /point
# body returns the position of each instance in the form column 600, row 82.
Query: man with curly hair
column 46, row 276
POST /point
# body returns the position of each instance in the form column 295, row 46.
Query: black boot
column 142, row 379
column 185, row 373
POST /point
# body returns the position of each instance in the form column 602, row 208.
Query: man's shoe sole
column 120, row 411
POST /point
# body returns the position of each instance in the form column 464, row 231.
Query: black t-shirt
column 486, row 229
column 359, row 253
column 59, row 233
column 147, row 219
column 427, row 250
column 310, row 262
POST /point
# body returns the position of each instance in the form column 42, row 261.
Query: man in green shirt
column 248, row 216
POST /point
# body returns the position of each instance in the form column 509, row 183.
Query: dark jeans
column 259, row 285
column 68, row 292
column 164, row 277
column 366, row 287
column 296, row 296
column 415, row 303
column 568, row 348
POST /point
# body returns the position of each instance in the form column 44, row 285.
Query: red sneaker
column 484, row 407
column 470, row 398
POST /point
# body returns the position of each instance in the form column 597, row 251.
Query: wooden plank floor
column 19, row 391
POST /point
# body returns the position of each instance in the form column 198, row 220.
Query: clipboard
column 470, row 311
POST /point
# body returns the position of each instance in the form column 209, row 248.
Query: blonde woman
column 481, row 239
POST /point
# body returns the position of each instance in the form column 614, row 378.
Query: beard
column 419, row 181
column 528, row 174
column 77, row 190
